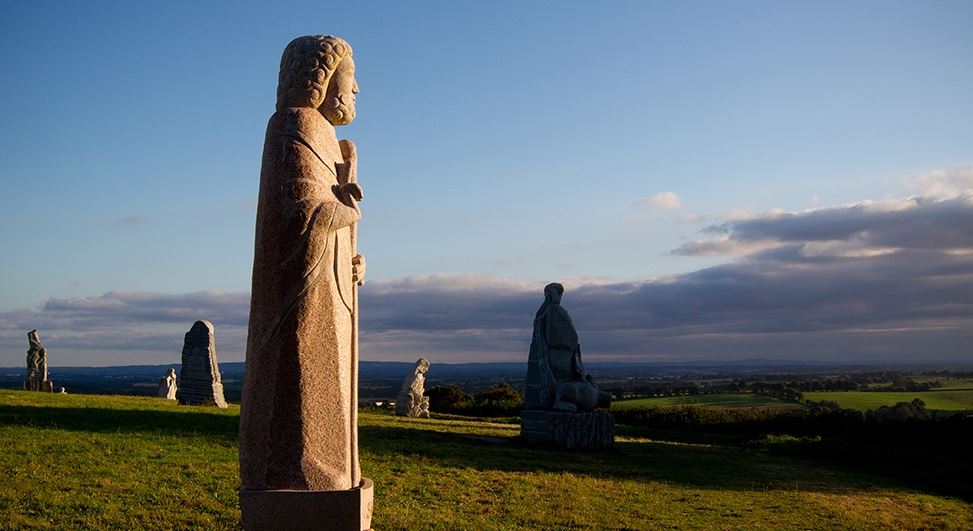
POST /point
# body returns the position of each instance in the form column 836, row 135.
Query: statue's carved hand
column 349, row 194
column 358, row 270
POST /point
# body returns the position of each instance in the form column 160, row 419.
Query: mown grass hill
column 101, row 462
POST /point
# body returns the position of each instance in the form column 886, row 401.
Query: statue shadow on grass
column 708, row 466
column 220, row 427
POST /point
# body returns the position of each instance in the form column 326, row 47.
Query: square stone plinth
column 297, row 510
column 572, row 431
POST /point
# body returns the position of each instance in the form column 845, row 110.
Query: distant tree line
column 785, row 387
column 500, row 400
column 821, row 418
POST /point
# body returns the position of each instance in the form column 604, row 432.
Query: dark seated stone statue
column 556, row 378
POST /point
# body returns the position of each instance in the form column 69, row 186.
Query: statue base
column 46, row 386
column 192, row 394
column 571, row 431
column 340, row 510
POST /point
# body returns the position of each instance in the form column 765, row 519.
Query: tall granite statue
column 560, row 395
column 299, row 410
column 200, row 381
column 167, row 385
column 37, row 365
column 411, row 401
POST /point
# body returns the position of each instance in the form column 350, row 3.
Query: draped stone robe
column 296, row 425
column 555, row 355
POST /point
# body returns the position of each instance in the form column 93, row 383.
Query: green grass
column 944, row 400
column 141, row 463
column 727, row 400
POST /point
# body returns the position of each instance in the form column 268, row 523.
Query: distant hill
column 382, row 379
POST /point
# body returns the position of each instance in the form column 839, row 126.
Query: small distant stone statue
column 200, row 381
column 560, row 395
column 167, row 385
column 411, row 401
column 37, row 365
column 299, row 465
column 64, row 391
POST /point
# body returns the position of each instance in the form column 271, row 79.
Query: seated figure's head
column 317, row 71
column 422, row 366
column 553, row 292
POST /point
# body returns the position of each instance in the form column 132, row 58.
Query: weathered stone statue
column 411, row 401
column 556, row 378
column 200, row 381
column 559, row 392
column 167, row 385
column 298, row 418
column 37, row 365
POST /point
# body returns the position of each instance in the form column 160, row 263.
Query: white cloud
column 944, row 184
column 661, row 200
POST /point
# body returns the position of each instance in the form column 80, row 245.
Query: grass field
column 140, row 463
column 943, row 400
column 729, row 400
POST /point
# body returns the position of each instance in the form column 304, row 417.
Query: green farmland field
column 944, row 400
column 728, row 400
column 97, row 462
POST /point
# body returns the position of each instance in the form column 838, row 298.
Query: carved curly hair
column 306, row 68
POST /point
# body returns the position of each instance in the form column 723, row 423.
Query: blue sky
column 620, row 148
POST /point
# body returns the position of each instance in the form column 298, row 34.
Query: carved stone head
column 422, row 366
column 553, row 292
column 317, row 71
column 33, row 339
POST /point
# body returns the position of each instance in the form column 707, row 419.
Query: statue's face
column 553, row 292
column 338, row 106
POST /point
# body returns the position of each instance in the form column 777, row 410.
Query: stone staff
column 349, row 174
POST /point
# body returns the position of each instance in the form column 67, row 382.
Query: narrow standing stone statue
column 167, row 385
column 37, row 365
column 200, row 372
column 412, row 401
column 298, row 414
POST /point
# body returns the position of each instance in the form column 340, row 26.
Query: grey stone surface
column 573, row 431
column 411, row 401
column 556, row 377
column 167, row 385
column 199, row 377
column 37, row 365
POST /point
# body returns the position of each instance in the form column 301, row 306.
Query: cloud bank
column 871, row 281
